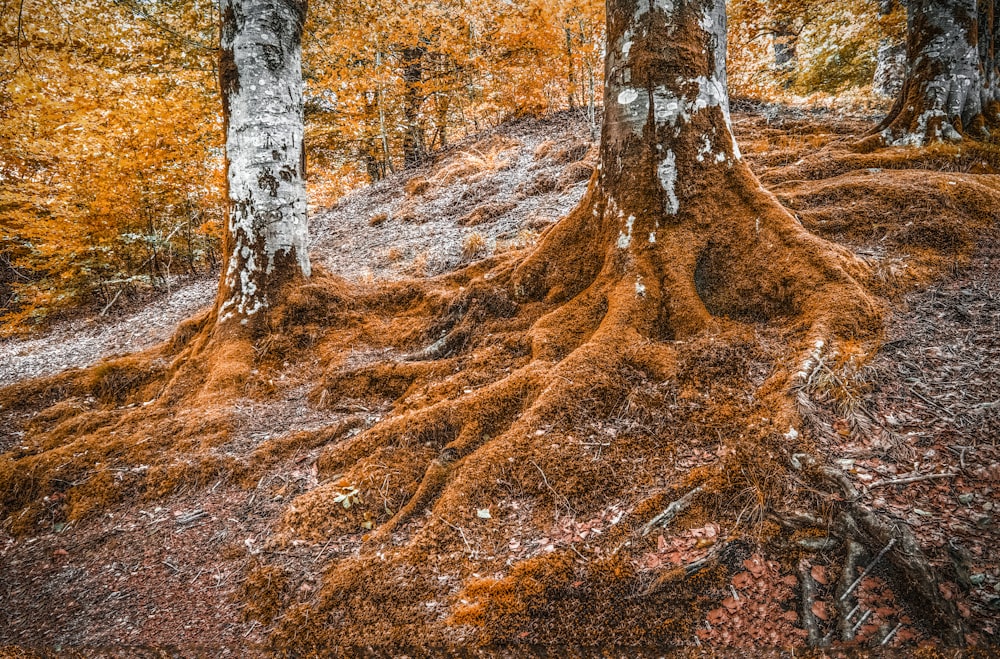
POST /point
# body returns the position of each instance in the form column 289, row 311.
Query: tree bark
column 989, row 38
column 266, row 240
column 785, row 42
column 414, row 148
column 678, row 229
column 890, row 69
column 949, row 90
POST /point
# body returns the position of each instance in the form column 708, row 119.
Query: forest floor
column 180, row 572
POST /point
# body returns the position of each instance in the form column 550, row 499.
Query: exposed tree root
column 511, row 384
column 858, row 525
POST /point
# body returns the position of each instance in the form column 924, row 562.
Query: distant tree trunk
column 266, row 239
column 989, row 39
column 890, row 68
column 785, row 40
column 949, row 91
column 570, row 71
column 414, row 148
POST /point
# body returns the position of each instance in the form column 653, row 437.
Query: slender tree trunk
column 948, row 92
column 784, row 46
column 570, row 71
column 414, row 148
column 266, row 240
column 989, row 39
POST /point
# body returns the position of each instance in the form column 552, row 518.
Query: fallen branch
column 672, row 511
column 846, row 605
column 899, row 546
column 911, row 479
column 867, row 570
column 809, row 620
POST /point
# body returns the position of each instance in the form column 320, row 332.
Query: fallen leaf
column 716, row 616
column 818, row 573
column 819, row 610
column 742, row 580
column 756, row 565
column 731, row 604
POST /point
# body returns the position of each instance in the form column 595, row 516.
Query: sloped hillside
column 330, row 499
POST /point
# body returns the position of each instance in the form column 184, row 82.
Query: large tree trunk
column 260, row 75
column 949, row 90
column 676, row 222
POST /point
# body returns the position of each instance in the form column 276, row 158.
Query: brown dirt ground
column 241, row 555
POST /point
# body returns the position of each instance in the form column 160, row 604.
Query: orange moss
column 542, row 393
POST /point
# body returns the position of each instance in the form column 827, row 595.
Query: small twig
column 191, row 517
column 931, row 402
column 888, row 637
column 672, row 511
column 850, row 589
column 555, row 494
column 472, row 552
column 113, row 300
column 911, row 479
column 861, row 621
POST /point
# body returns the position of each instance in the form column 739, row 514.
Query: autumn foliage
column 111, row 138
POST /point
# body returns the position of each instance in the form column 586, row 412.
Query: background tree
column 109, row 142
column 950, row 89
column 834, row 46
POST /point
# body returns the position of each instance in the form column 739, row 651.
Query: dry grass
column 417, row 186
column 486, row 213
column 490, row 155
column 473, row 246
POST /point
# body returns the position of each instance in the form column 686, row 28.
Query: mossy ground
column 472, row 517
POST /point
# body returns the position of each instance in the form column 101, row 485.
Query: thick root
column 896, row 543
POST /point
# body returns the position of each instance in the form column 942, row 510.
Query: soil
column 207, row 567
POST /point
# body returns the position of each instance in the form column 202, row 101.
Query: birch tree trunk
column 260, row 75
column 950, row 87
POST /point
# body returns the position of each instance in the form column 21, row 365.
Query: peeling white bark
column 261, row 80
column 682, row 101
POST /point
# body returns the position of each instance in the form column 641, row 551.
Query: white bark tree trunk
column 260, row 71
column 942, row 96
